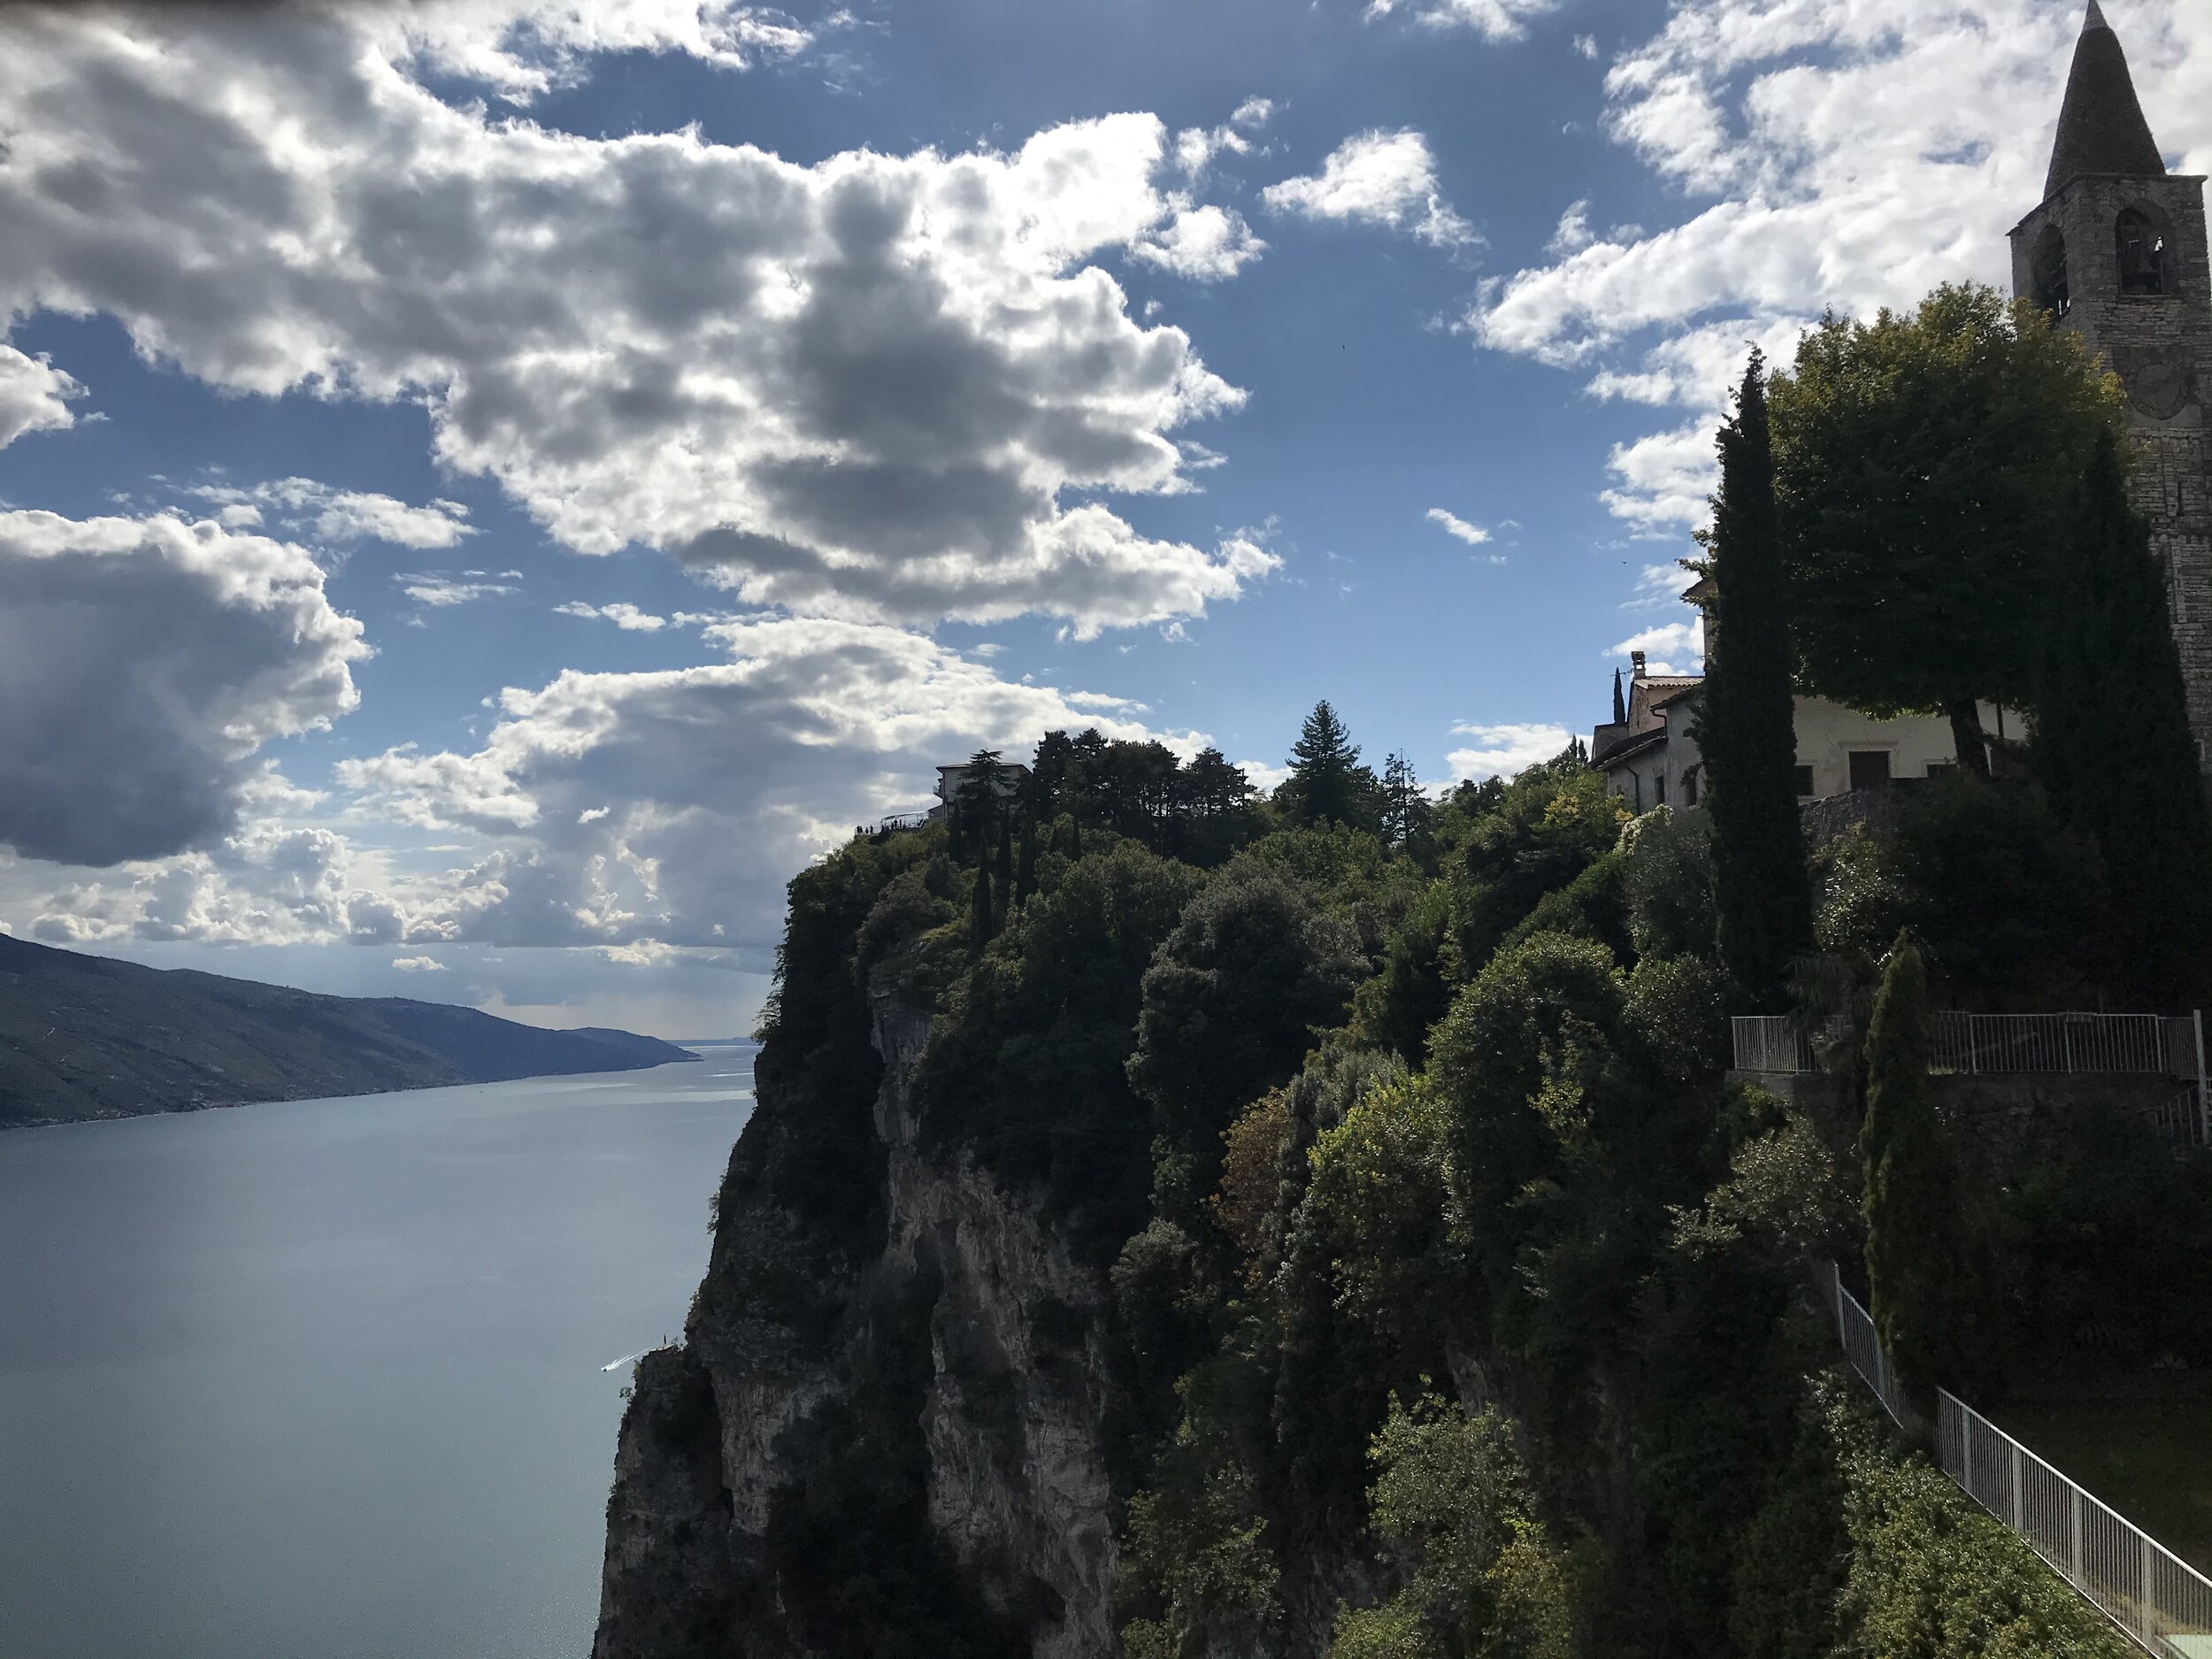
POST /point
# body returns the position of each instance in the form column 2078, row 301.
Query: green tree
column 978, row 800
column 1327, row 785
column 1026, row 870
column 2112, row 744
column 1404, row 808
column 1913, row 1262
column 1925, row 467
column 1746, row 717
column 982, row 917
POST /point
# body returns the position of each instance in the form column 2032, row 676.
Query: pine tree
column 1326, row 782
column 1404, row 808
column 1913, row 1261
column 2113, row 748
column 1746, row 720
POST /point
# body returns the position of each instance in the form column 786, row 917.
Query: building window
column 1689, row 787
column 2142, row 254
column 1870, row 768
column 1804, row 783
column 1659, row 789
column 2048, row 271
column 1940, row 768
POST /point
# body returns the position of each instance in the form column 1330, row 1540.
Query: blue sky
column 493, row 486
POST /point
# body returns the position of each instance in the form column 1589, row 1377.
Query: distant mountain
column 84, row 1037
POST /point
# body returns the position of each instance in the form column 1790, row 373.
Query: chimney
column 1635, row 664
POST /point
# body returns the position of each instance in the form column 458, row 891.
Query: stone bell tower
column 2117, row 252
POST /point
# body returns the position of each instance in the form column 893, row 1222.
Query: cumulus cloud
column 1493, row 19
column 858, row 389
column 418, row 964
column 1670, row 648
column 1472, row 535
column 673, row 805
column 143, row 662
column 1500, row 751
column 1376, row 178
column 34, row 396
column 1850, row 155
column 624, row 616
column 328, row 514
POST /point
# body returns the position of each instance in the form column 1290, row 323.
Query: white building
column 1650, row 758
column 950, row 778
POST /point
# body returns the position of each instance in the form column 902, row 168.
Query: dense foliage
column 1455, row 1299
column 1927, row 466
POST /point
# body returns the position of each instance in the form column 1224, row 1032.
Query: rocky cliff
column 888, row 1412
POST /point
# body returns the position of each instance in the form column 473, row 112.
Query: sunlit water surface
column 324, row 1379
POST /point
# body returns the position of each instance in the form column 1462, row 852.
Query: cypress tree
column 1003, row 868
column 1747, row 717
column 981, row 914
column 1025, row 871
column 1075, row 838
column 2112, row 744
column 1913, row 1258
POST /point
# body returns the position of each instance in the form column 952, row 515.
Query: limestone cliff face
column 917, row 1392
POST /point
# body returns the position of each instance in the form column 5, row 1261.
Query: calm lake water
column 322, row 1379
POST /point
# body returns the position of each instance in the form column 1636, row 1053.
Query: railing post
column 2073, row 1532
column 2204, row 1106
column 2143, row 1609
column 2019, row 1489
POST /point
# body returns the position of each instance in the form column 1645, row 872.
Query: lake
column 323, row 1379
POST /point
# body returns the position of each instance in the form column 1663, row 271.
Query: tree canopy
column 1925, row 469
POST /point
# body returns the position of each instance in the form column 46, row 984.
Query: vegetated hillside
column 84, row 1037
column 1213, row 1231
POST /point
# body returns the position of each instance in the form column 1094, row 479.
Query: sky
column 490, row 488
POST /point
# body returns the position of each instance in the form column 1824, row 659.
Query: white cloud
column 1849, row 155
column 34, row 396
column 673, row 805
column 1500, row 751
column 1493, row 19
column 1376, row 178
column 442, row 593
column 1586, row 46
column 1263, row 776
column 1670, row 648
column 1253, row 111
column 858, row 389
column 1205, row 243
column 623, row 614
column 143, row 662
column 1472, row 535
column 1573, row 233
column 328, row 514
column 1666, row 480
column 418, row 964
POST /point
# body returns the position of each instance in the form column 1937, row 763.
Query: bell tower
column 2117, row 252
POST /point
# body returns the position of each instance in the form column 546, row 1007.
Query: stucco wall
column 1827, row 732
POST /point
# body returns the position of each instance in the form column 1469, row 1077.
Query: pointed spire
column 1620, row 708
column 2101, row 125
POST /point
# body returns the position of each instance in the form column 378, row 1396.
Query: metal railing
column 1863, row 1348
column 1975, row 1044
column 2179, row 1118
column 1770, row 1042
column 2141, row 1584
column 2145, row 1589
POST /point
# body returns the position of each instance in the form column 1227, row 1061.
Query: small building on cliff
column 1650, row 755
